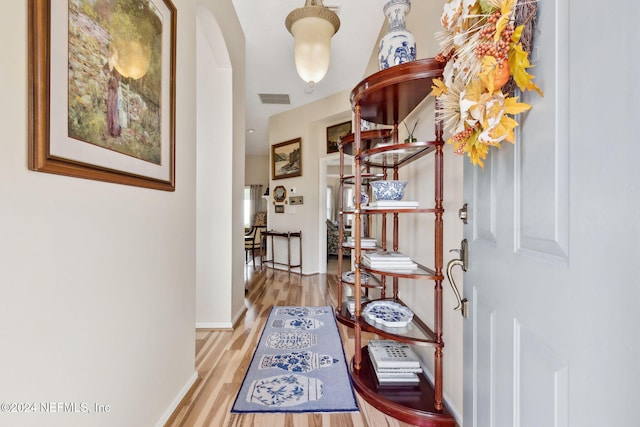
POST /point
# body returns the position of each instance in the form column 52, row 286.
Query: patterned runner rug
column 298, row 366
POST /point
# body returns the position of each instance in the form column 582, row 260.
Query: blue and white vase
column 398, row 45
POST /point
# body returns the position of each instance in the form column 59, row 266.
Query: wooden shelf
column 390, row 95
column 421, row 272
column 412, row 404
column 397, row 155
column 417, row 332
column 387, row 98
column 370, row 137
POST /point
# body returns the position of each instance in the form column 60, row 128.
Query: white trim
column 239, row 314
column 176, row 401
column 452, row 409
column 214, row 325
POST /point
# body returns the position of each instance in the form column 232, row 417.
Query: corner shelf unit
column 387, row 98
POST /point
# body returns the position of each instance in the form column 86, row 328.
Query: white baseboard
column 214, row 325
column 452, row 409
column 222, row 325
column 174, row 404
column 239, row 314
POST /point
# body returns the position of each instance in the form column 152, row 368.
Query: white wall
column 220, row 163
column 97, row 279
column 220, row 285
column 257, row 172
column 310, row 123
column 423, row 21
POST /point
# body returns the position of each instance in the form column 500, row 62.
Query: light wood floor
column 222, row 358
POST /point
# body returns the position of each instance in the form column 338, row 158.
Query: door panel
column 540, row 381
column 553, row 230
column 518, row 224
column 541, row 154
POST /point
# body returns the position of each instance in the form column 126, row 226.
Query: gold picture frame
column 81, row 68
column 335, row 133
column 286, row 159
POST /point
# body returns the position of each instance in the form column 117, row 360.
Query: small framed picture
column 286, row 159
column 279, row 208
column 335, row 133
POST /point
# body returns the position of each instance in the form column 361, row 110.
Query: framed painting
column 286, row 159
column 102, row 90
column 335, row 133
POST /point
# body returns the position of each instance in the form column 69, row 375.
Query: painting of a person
column 113, row 97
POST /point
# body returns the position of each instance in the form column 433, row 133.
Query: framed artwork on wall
column 335, row 133
column 279, row 193
column 286, row 159
column 102, row 90
column 279, row 208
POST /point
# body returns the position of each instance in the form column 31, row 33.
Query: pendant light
column 312, row 27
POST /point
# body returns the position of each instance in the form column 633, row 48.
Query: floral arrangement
column 483, row 50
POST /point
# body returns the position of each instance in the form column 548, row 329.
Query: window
column 247, row 206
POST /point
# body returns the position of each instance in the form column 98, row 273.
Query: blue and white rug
column 299, row 365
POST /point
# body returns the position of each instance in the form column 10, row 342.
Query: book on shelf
column 387, row 256
column 389, row 260
column 351, row 303
column 392, row 354
column 397, row 380
column 391, row 204
column 365, row 242
column 395, row 371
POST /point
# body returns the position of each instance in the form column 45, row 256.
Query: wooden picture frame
column 279, row 193
column 335, row 133
column 286, row 159
column 279, row 208
column 102, row 92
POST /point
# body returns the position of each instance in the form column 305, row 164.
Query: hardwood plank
column 223, row 356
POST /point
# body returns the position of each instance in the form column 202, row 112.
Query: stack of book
column 395, row 363
column 351, row 303
column 365, row 242
column 393, row 204
column 386, row 260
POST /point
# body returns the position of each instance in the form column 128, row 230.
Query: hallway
column 222, row 358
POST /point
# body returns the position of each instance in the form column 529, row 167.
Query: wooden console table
column 287, row 235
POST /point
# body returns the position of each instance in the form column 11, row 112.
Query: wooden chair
column 253, row 238
column 253, row 242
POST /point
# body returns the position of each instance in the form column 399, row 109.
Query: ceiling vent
column 274, row 98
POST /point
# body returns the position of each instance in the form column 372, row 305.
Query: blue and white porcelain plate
column 388, row 313
column 350, row 276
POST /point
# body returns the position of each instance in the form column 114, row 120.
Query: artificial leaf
column 518, row 64
column 507, row 6
column 512, row 106
column 487, row 7
column 504, row 129
column 438, row 88
column 517, row 33
column 488, row 72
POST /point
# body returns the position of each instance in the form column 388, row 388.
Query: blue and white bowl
column 388, row 190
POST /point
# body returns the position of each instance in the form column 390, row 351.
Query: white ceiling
column 271, row 68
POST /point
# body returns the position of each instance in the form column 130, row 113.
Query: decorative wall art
column 286, row 159
column 102, row 90
column 279, row 193
column 335, row 133
column 485, row 45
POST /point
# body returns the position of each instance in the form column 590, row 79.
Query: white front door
column 553, row 337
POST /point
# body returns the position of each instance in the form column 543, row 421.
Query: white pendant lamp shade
column 312, row 27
